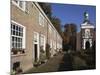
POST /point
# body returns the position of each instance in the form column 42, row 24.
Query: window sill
column 17, row 55
column 17, row 52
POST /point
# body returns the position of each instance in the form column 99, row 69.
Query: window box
column 18, row 51
column 14, row 51
column 22, row 51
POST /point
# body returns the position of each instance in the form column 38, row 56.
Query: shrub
column 47, row 51
column 42, row 56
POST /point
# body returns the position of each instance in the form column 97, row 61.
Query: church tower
column 87, row 32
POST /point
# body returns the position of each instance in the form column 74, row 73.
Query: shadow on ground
column 66, row 63
column 71, row 61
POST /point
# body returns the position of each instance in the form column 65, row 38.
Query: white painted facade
column 84, row 43
column 87, row 34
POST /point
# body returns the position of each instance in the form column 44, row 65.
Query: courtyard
column 62, row 62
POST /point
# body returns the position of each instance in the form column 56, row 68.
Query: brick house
column 31, row 30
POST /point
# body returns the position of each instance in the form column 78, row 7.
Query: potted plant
column 14, row 51
column 22, row 51
column 42, row 55
column 47, row 51
column 36, row 64
column 13, row 72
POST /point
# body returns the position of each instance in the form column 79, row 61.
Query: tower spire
column 86, row 16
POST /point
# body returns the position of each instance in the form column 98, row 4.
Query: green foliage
column 48, row 51
column 48, row 11
column 13, row 72
column 69, row 35
column 57, row 24
column 46, row 8
column 42, row 55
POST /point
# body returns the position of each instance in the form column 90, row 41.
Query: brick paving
column 60, row 62
column 51, row 65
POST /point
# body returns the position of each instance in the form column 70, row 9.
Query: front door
column 36, row 46
column 87, row 45
column 35, row 52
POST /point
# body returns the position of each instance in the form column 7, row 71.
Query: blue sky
column 69, row 13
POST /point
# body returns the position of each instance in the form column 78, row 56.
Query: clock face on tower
column 87, row 33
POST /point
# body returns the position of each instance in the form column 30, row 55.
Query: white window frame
column 54, row 34
column 36, row 37
column 50, row 29
column 23, row 8
column 44, row 40
column 54, row 44
column 51, row 43
column 41, row 19
column 24, row 34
